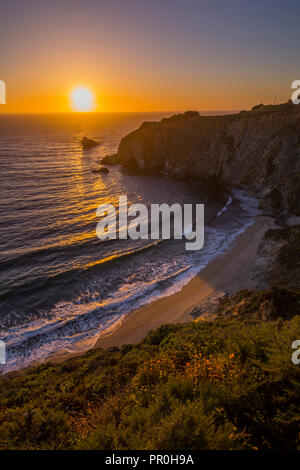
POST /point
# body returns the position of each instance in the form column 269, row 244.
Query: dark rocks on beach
column 110, row 159
column 102, row 169
column 88, row 143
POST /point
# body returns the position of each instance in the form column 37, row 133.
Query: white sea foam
column 76, row 325
column 225, row 207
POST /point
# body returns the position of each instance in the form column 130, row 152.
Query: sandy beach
column 226, row 274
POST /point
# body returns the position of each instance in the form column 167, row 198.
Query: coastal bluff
column 258, row 148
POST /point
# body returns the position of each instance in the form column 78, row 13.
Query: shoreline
column 228, row 273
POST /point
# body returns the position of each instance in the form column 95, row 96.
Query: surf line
column 162, row 222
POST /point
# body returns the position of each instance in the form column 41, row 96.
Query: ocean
column 60, row 285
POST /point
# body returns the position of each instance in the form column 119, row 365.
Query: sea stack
column 88, row 143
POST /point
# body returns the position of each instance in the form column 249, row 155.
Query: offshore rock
column 88, row 143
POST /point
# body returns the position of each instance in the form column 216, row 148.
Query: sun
column 82, row 99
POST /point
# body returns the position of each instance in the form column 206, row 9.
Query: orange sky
column 147, row 56
column 118, row 97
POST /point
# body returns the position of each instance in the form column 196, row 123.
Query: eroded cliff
column 258, row 148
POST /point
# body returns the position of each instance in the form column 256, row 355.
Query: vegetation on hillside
column 226, row 384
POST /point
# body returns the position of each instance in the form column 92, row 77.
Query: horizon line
column 121, row 112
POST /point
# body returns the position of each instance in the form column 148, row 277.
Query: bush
column 226, row 384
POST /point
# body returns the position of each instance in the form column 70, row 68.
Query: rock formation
column 88, row 143
column 110, row 159
column 258, row 148
column 102, row 169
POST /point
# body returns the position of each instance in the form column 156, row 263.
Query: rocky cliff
column 278, row 259
column 258, row 148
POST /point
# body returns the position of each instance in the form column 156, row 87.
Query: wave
column 225, row 207
column 73, row 324
column 68, row 274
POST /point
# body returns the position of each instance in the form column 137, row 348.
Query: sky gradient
column 136, row 55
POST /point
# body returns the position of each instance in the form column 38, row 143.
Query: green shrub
column 226, row 384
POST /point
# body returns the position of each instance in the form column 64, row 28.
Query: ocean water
column 59, row 284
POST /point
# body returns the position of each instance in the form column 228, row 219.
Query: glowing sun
column 82, row 99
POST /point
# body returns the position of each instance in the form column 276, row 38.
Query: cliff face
column 259, row 148
column 278, row 259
